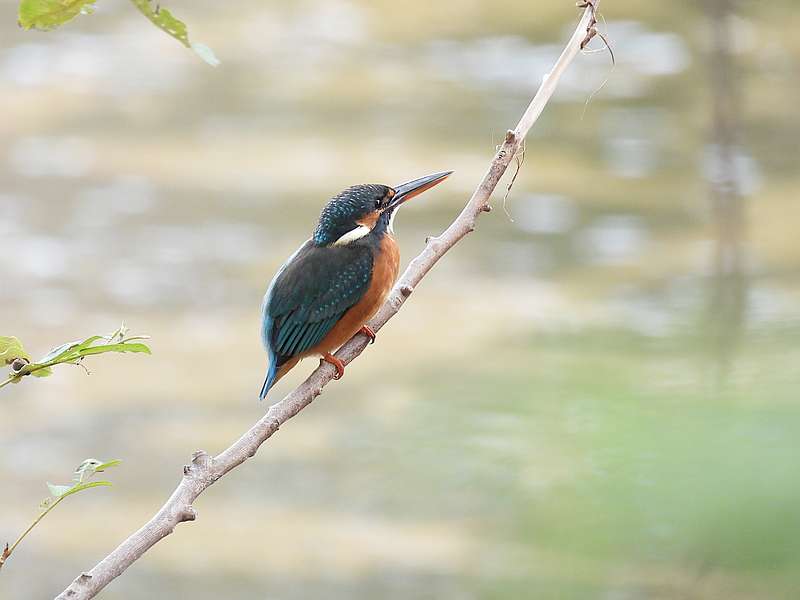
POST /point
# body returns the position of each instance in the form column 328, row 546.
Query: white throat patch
column 353, row 235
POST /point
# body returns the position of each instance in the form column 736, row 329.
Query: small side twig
column 591, row 29
column 519, row 160
column 591, row 32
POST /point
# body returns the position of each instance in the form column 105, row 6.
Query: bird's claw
column 369, row 332
column 330, row 358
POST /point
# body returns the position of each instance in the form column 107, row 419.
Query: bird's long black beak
column 408, row 190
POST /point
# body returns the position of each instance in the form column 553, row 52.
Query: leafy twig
column 50, row 14
column 85, row 470
column 13, row 354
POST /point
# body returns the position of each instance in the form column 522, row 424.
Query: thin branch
column 204, row 470
column 9, row 550
column 86, row 469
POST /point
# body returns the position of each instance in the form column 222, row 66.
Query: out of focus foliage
column 165, row 21
column 49, row 14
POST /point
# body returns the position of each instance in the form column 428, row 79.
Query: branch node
column 201, row 459
column 486, row 208
column 187, row 514
column 511, row 135
column 406, row 290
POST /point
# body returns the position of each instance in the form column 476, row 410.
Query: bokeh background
column 595, row 396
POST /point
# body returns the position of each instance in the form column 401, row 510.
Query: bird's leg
column 330, row 358
column 369, row 332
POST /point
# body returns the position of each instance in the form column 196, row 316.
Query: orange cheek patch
column 369, row 220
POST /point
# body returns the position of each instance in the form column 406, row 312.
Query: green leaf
column 44, row 372
column 11, row 348
column 163, row 19
column 91, row 466
column 79, row 487
column 49, row 14
column 89, row 341
column 62, row 491
column 59, row 351
column 58, row 490
column 107, row 465
column 166, row 22
column 84, row 471
column 122, row 347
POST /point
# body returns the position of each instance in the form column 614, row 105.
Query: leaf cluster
column 49, row 14
column 13, row 354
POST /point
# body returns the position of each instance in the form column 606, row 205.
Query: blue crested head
column 356, row 207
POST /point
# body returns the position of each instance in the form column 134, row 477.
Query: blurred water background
column 595, row 396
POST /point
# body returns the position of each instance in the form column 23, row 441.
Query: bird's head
column 361, row 209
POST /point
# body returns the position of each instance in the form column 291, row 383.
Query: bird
column 335, row 282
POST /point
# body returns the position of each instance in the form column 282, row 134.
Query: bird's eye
column 378, row 203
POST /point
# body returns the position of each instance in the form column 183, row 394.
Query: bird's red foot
column 369, row 332
column 330, row 358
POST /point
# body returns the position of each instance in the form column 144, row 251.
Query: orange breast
column 384, row 273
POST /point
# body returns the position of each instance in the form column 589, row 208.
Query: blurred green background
column 595, row 396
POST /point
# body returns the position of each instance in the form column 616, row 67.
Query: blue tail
column 269, row 381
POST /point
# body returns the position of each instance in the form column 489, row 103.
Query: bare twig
column 607, row 45
column 519, row 160
column 204, row 470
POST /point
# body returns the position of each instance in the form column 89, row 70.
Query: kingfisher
column 336, row 281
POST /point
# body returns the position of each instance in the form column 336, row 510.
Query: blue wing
column 308, row 296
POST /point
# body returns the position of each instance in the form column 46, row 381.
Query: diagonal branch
column 205, row 470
